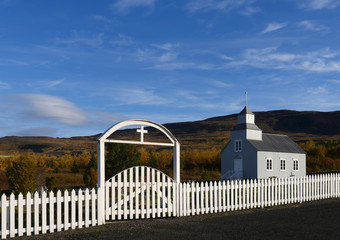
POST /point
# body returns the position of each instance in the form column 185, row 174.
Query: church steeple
column 246, row 116
column 246, row 125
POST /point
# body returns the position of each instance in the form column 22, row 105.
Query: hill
column 203, row 134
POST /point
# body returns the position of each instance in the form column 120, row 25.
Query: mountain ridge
column 201, row 134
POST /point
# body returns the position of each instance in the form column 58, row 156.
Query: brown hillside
column 212, row 132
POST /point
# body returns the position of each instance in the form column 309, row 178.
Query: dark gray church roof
column 276, row 143
column 246, row 111
column 246, row 126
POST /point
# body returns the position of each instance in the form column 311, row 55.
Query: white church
column 252, row 154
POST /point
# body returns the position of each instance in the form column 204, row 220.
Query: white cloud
column 274, row 27
column 317, row 90
column 320, row 4
column 217, row 5
column 158, row 53
column 123, row 40
column 323, row 60
column 335, row 81
column 123, row 6
column 4, row 85
column 218, row 83
column 167, row 46
column 224, row 57
column 94, row 41
column 140, row 97
column 9, row 62
column 51, row 84
column 309, row 25
column 182, row 65
column 249, row 10
column 168, row 57
column 36, row 107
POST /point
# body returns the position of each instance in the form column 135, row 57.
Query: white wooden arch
column 101, row 154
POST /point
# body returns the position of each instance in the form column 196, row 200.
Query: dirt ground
column 312, row 220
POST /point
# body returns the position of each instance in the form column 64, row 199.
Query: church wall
column 226, row 158
column 249, row 161
column 254, row 134
column 276, row 164
column 248, row 155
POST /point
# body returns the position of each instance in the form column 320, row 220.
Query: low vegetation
column 27, row 172
column 322, row 156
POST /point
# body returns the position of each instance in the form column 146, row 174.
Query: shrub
column 51, row 183
column 21, row 175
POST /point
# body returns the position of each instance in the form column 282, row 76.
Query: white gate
column 140, row 192
column 134, row 187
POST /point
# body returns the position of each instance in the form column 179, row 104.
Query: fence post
column 20, row 215
column 43, row 212
column 11, row 215
column 66, row 210
column 3, row 216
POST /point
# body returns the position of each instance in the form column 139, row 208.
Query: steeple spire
column 246, row 97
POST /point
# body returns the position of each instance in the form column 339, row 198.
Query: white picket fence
column 211, row 197
column 140, row 196
column 39, row 214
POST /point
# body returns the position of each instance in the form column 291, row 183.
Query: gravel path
column 312, row 220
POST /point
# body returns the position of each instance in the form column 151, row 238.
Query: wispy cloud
column 158, row 53
column 140, row 97
column 181, row 65
column 124, row 6
column 37, row 107
column 4, row 85
column 249, row 10
column 224, row 57
column 100, row 18
column 216, row 5
column 167, row 46
column 274, row 27
column 218, row 83
column 51, row 84
column 320, row 4
column 77, row 38
column 11, row 62
column 324, row 60
column 123, row 40
column 309, row 25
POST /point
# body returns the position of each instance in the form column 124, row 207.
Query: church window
column 238, row 146
column 283, row 165
column 296, row 165
column 269, row 164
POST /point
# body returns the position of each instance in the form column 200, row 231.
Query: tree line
column 322, row 156
column 201, row 164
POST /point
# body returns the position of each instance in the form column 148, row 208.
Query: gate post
column 101, row 182
column 177, row 175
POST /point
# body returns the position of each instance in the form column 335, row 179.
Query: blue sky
column 70, row 68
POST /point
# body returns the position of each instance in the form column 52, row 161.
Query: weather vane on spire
column 246, row 98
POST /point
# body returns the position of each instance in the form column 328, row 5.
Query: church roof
column 246, row 111
column 246, row 126
column 276, row 143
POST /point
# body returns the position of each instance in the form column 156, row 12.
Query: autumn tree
column 119, row 157
column 21, row 175
column 90, row 176
column 51, row 183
